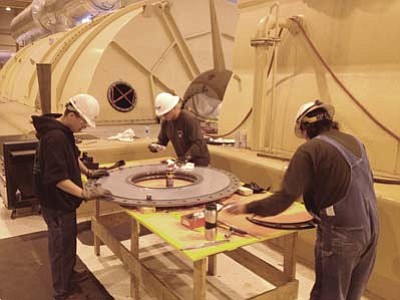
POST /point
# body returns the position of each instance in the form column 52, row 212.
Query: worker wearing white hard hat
column 326, row 112
column 181, row 128
column 59, row 188
column 332, row 173
column 86, row 106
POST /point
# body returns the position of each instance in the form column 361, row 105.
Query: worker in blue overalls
column 332, row 172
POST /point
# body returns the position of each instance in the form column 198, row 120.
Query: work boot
column 73, row 295
column 77, row 296
column 80, row 275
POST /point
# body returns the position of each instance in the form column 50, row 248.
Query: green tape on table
column 167, row 226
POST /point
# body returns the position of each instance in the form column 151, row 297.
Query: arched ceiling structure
column 150, row 46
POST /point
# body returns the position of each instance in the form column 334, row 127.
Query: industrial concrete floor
column 167, row 263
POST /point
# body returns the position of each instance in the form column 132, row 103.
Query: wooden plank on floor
column 289, row 291
column 152, row 284
column 258, row 266
column 289, row 255
column 199, row 279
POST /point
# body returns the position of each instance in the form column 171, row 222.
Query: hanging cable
column 251, row 108
column 352, row 97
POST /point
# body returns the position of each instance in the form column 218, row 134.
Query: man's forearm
column 82, row 167
column 271, row 205
column 69, row 187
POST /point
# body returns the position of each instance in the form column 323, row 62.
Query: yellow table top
column 166, row 224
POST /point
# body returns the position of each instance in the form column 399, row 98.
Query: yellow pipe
column 261, row 130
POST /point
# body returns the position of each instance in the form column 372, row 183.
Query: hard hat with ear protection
column 164, row 103
column 86, row 106
column 301, row 117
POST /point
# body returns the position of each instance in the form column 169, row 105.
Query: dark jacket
column 318, row 171
column 56, row 159
column 187, row 138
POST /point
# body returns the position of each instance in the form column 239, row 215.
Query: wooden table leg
column 289, row 255
column 135, row 229
column 96, row 217
column 212, row 265
column 199, row 280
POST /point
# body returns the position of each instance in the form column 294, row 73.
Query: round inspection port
column 122, row 96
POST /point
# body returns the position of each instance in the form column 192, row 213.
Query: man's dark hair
column 323, row 123
column 69, row 109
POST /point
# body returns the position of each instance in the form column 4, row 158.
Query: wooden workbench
column 166, row 224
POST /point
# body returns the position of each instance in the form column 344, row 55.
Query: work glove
column 96, row 174
column 154, row 147
column 92, row 191
column 182, row 160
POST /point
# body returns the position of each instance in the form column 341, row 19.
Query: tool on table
column 309, row 224
column 193, row 220
column 205, row 244
column 169, row 175
column 116, row 165
column 234, row 230
column 221, row 207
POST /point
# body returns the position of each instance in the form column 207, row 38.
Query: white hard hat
column 164, row 103
column 306, row 108
column 87, row 106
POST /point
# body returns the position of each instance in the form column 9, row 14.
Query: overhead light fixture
column 8, row 8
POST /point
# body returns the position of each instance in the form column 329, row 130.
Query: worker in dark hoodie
column 59, row 188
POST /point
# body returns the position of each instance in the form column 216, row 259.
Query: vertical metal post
column 44, row 81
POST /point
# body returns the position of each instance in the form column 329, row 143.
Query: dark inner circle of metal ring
column 207, row 185
column 140, row 177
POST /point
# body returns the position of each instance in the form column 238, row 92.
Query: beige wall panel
column 188, row 17
column 237, row 102
column 91, row 51
column 201, row 48
column 385, row 279
column 145, row 39
column 118, row 66
column 239, row 94
column 174, row 73
column 26, row 65
column 348, row 36
column 51, row 45
column 15, row 118
column 126, row 46
column 7, row 74
column 4, row 74
column 305, row 86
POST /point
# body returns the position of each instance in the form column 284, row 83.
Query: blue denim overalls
column 347, row 235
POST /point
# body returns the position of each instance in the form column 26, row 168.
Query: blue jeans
column 62, row 233
column 344, row 258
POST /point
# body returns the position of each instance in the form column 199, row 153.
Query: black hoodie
column 56, row 160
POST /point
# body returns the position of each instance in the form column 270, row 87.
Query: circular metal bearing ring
column 207, row 185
